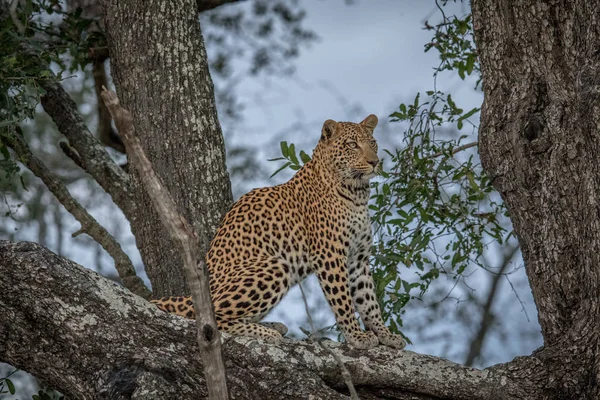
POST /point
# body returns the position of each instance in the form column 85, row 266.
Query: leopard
column 318, row 223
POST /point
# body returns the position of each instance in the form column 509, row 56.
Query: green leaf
column 471, row 179
column 304, row 157
column 284, row 148
column 470, row 113
column 11, row 386
column 292, row 154
column 470, row 63
column 4, row 151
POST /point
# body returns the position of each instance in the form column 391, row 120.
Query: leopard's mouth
column 365, row 173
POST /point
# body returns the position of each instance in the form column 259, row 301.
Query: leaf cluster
column 453, row 40
column 38, row 35
column 288, row 154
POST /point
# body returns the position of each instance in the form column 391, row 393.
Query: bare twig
column 182, row 233
column 457, row 149
column 521, row 302
column 486, row 314
column 88, row 224
column 345, row 373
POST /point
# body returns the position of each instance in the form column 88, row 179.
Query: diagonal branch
column 182, row 233
column 92, row 155
column 89, row 225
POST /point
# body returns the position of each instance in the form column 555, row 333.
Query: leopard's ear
column 328, row 130
column 370, row 122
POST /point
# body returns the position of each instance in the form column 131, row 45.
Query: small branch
column 182, row 233
column 77, row 233
column 456, row 149
column 72, row 154
column 345, row 373
column 88, row 224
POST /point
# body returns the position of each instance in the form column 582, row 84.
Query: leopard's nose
column 373, row 162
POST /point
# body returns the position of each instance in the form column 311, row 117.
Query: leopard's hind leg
column 179, row 305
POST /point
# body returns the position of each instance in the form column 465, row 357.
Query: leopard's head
column 350, row 149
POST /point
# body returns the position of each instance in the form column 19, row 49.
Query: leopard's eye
column 373, row 142
column 352, row 145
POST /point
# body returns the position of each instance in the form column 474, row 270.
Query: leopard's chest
column 359, row 232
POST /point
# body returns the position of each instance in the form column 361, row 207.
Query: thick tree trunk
column 92, row 339
column 540, row 144
column 160, row 69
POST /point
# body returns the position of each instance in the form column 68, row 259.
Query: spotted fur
column 317, row 222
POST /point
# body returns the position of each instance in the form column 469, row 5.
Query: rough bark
column 93, row 157
column 539, row 143
column 93, row 339
column 170, row 95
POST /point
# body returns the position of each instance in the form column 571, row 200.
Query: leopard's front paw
column 362, row 340
column 278, row 326
column 273, row 339
column 391, row 340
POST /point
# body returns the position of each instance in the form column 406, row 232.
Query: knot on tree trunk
column 208, row 332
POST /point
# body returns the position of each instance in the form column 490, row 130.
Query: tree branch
column 182, row 233
column 92, row 155
column 127, row 349
column 88, row 224
column 205, row 5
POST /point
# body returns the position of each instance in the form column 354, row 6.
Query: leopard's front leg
column 362, row 289
column 331, row 268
